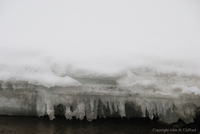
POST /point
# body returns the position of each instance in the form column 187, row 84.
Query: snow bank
column 75, row 50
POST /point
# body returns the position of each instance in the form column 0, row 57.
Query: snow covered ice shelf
column 131, row 95
column 97, row 58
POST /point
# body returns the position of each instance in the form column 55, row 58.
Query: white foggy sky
column 100, row 30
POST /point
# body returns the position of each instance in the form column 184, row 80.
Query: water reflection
column 42, row 125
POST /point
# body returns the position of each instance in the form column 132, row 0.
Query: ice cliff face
column 141, row 94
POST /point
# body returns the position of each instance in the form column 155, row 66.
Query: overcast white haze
column 98, row 37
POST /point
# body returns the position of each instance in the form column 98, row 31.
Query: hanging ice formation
column 131, row 95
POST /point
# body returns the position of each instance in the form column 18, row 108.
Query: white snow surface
column 147, row 47
column 43, row 40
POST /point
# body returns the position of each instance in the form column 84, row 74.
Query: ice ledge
column 96, row 97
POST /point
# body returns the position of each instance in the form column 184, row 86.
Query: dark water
column 42, row 125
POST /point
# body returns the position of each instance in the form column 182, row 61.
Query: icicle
column 74, row 111
column 95, row 110
column 50, row 111
column 151, row 115
column 121, row 107
column 102, row 109
column 159, row 108
column 68, row 113
column 150, row 111
column 115, row 106
column 104, row 101
column 110, row 107
column 81, row 110
column 143, row 109
column 88, row 110
column 40, row 105
column 92, row 108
